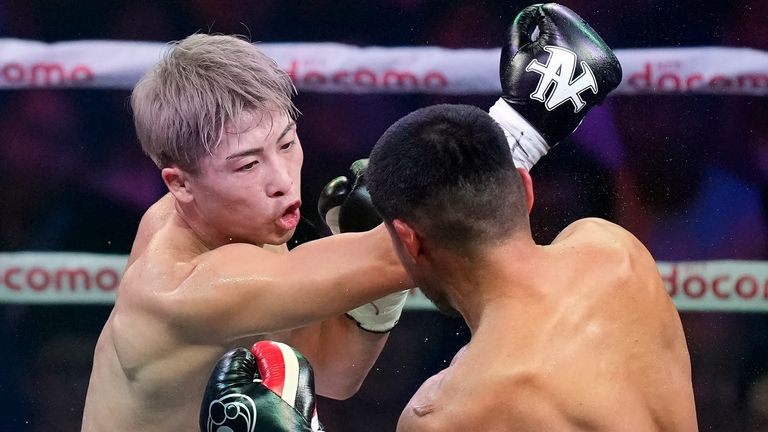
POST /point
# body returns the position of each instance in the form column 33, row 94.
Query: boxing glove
column 269, row 388
column 554, row 68
column 345, row 208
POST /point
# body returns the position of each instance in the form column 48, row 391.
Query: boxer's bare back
column 589, row 350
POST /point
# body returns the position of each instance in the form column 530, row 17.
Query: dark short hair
column 448, row 170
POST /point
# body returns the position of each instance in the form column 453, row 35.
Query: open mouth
column 290, row 217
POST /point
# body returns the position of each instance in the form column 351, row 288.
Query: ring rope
column 339, row 68
column 87, row 278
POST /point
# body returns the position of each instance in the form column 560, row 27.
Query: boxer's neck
column 205, row 235
column 498, row 274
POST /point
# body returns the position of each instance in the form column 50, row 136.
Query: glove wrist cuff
column 526, row 143
column 380, row 316
column 332, row 220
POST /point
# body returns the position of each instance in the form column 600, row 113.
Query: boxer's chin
column 281, row 237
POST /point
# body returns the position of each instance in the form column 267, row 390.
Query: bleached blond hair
column 202, row 84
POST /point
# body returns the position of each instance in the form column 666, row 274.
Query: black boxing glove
column 551, row 80
column 269, row 388
column 345, row 208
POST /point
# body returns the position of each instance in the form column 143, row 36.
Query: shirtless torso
column 596, row 346
column 180, row 307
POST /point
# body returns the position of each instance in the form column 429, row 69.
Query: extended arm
column 241, row 290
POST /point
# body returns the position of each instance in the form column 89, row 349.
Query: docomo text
column 667, row 79
column 686, row 283
column 51, row 74
column 64, row 279
column 366, row 78
column 45, row 74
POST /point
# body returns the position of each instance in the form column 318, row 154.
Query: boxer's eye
column 248, row 166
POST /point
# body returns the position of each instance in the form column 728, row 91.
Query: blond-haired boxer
column 209, row 269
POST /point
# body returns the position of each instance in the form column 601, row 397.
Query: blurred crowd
column 688, row 175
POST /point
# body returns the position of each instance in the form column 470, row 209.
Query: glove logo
column 558, row 72
column 233, row 412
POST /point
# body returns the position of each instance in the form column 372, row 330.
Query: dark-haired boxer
column 578, row 335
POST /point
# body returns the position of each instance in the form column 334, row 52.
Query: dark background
column 687, row 174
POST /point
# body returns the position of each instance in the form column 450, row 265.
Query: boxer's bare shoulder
column 489, row 390
column 425, row 410
column 153, row 220
column 595, row 244
column 598, row 233
column 472, row 394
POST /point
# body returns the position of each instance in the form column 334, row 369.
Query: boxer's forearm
column 340, row 352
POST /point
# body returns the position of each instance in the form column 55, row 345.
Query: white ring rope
column 337, row 68
column 80, row 278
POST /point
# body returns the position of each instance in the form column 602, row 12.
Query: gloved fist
column 346, row 208
column 270, row 388
column 550, row 80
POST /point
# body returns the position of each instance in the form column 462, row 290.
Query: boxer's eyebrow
column 249, row 152
column 259, row 150
column 290, row 126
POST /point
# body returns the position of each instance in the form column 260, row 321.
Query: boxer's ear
column 528, row 185
column 176, row 179
column 409, row 238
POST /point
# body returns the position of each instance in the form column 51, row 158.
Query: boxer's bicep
column 335, row 274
